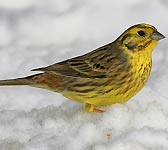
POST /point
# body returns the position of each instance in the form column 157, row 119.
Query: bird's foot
column 98, row 110
column 91, row 108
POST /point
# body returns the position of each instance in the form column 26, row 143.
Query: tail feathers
column 49, row 81
column 19, row 81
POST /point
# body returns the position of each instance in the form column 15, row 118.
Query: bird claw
column 98, row 110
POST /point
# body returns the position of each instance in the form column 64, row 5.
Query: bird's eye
column 141, row 33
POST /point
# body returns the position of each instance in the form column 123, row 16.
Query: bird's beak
column 157, row 36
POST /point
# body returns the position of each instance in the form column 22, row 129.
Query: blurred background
column 37, row 33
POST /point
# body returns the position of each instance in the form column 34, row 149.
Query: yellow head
column 140, row 37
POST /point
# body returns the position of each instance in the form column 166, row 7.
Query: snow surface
column 36, row 33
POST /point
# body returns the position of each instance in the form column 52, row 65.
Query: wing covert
column 90, row 65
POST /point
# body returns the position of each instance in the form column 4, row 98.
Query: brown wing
column 92, row 65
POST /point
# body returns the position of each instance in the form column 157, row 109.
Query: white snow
column 37, row 33
column 15, row 4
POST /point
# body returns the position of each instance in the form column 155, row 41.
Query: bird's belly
column 119, row 95
column 107, row 95
column 108, row 91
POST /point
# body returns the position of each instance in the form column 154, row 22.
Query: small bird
column 110, row 74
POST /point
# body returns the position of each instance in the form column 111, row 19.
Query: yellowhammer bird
column 110, row 74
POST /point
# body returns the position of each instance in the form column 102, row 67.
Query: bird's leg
column 90, row 108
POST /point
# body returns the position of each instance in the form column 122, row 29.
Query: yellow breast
column 118, row 89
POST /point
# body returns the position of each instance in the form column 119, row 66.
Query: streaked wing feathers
column 90, row 65
column 75, row 67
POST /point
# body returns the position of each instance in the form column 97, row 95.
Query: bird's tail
column 18, row 81
column 49, row 81
column 14, row 82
